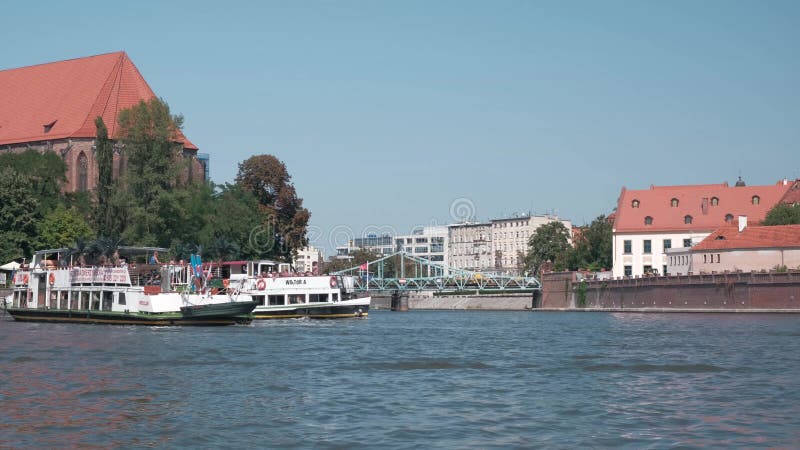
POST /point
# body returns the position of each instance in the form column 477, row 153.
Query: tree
column 783, row 214
column 44, row 173
column 593, row 248
column 60, row 228
column 19, row 212
column 147, row 204
column 268, row 180
column 550, row 242
column 105, row 162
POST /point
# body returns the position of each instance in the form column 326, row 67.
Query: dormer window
column 49, row 126
column 714, row 201
column 635, row 203
column 674, row 202
column 648, row 220
column 756, row 200
column 687, row 219
column 728, row 218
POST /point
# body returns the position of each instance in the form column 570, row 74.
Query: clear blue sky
column 386, row 112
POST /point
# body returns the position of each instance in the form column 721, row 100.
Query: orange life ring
column 25, row 279
column 52, row 278
column 226, row 282
column 333, row 282
column 261, row 285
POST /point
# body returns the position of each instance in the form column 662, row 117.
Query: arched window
column 687, row 219
column 756, row 200
column 729, row 218
column 83, row 173
column 648, row 220
column 635, row 203
column 714, row 201
column 674, row 202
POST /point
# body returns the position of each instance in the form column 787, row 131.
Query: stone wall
column 557, row 290
column 720, row 292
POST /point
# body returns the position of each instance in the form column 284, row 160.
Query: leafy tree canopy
column 783, row 214
column 60, row 228
column 268, row 180
column 550, row 242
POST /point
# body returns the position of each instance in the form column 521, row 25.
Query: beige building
column 308, row 259
column 470, row 246
column 500, row 245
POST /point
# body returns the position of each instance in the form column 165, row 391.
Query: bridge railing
column 370, row 276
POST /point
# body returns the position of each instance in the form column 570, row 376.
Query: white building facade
column 470, row 246
column 308, row 259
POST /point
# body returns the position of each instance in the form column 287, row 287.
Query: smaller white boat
column 280, row 293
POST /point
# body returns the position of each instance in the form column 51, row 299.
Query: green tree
column 593, row 248
column 60, row 228
column 285, row 218
column 783, row 214
column 550, row 242
column 105, row 162
column 19, row 212
column 45, row 173
column 148, row 205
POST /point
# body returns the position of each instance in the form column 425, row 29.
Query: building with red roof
column 53, row 107
column 650, row 221
column 732, row 248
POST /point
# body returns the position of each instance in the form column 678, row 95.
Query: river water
column 408, row 380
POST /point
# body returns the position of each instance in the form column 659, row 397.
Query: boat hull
column 122, row 318
column 341, row 310
column 218, row 309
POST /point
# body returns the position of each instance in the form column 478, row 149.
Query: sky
column 391, row 115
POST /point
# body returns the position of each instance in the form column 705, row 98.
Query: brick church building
column 53, row 106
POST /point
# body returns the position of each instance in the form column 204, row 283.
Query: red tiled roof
column 656, row 203
column 728, row 238
column 70, row 95
column 792, row 197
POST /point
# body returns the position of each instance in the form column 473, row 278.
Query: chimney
column 742, row 223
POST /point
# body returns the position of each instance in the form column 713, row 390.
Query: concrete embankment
column 506, row 302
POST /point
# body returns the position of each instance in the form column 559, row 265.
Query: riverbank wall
column 499, row 302
column 722, row 292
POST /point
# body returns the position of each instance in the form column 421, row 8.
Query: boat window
column 64, row 303
column 297, row 298
column 317, row 298
column 276, row 300
column 73, row 300
column 84, row 300
column 335, row 297
column 259, row 299
column 121, row 298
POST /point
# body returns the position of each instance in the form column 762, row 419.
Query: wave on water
column 426, row 364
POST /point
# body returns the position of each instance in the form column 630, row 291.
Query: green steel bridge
column 402, row 271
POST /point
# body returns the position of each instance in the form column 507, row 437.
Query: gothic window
column 729, row 218
column 635, row 204
column 756, row 199
column 714, row 201
column 687, row 219
column 674, row 202
column 83, row 173
column 648, row 220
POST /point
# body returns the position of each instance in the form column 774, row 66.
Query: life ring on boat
column 52, row 278
column 226, row 282
column 25, row 279
column 333, row 282
column 261, row 285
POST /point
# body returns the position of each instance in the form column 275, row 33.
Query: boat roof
column 52, row 250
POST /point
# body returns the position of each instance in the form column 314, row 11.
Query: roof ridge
column 112, row 77
column 63, row 60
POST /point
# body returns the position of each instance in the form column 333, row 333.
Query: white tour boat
column 280, row 293
column 50, row 290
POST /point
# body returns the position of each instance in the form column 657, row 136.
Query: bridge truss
column 402, row 271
